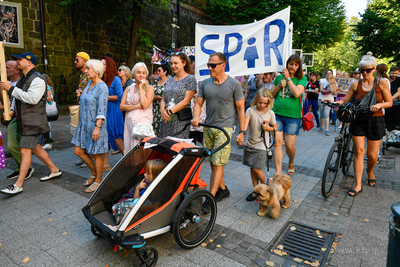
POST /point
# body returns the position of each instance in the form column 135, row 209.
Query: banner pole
column 3, row 73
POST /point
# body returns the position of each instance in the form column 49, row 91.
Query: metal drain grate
column 303, row 243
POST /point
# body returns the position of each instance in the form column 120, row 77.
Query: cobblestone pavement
column 50, row 228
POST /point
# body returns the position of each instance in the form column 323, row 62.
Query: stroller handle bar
column 215, row 150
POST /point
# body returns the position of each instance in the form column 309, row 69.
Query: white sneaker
column 12, row 190
column 51, row 175
column 79, row 162
column 340, row 126
column 47, row 146
column 84, row 165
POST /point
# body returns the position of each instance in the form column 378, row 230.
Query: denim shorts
column 288, row 125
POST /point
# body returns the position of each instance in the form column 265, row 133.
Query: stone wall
column 89, row 32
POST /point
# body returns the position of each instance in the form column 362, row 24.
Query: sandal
column 90, row 188
column 370, row 181
column 116, row 152
column 106, row 169
column 355, row 193
column 90, row 181
column 291, row 170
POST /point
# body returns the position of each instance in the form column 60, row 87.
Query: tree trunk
column 135, row 37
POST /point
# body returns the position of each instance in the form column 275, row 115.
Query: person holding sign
column 287, row 90
column 327, row 91
column 30, row 94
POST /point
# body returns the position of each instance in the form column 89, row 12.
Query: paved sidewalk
column 45, row 222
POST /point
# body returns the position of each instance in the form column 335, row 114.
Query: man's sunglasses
column 366, row 70
column 213, row 65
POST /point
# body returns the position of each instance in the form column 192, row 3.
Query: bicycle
column 340, row 156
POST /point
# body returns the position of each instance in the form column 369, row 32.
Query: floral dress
column 158, row 91
column 93, row 106
column 176, row 90
column 134, row 116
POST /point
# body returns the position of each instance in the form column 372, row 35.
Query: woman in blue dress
column 115, row 121
column 91, row 138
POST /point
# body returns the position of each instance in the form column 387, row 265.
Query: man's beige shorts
column 213, row 138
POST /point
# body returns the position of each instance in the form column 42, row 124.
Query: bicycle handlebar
column 335, row 105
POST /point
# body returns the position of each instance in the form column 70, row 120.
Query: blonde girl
column 259, row 118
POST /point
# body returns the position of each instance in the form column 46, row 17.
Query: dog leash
column 269, row 151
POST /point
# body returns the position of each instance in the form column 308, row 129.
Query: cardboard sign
column 332, row 82
column 343, row 83
column 257, row 47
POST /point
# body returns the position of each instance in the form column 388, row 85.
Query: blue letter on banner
column 207, row 51
column 238, row 48
column 274, row 45
column 205, row 39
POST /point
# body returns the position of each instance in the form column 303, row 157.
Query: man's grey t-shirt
column 220, row 108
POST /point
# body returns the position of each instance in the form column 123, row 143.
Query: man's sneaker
column 29, row 174
column 206, row 208
column 51, row 175
column 12, row 190
column 222, row 194
column 79, row 162
column 47, row 146
column 13, row 175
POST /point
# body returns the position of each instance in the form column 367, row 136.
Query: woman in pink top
column 137, row 101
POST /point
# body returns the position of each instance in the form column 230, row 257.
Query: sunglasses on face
column 120, row 69
column 366, row 70
column 213, row 65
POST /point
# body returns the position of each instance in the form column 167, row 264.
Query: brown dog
column 270, row 195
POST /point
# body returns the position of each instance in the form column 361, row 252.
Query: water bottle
column 171, row 104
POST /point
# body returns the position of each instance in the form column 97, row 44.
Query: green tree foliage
column 316, row 23
column 118, row 10
column 344, row 55
column 379, row 29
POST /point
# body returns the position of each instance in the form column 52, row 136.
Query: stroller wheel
column 94, row 231
column 145, row 257
column 192, row 225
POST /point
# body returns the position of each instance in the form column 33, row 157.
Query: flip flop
column 354, row 192
column 291, row 170
column 370, row 181
column 116, row 152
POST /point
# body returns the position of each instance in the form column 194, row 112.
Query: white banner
column 252, row 48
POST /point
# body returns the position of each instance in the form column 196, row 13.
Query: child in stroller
column 153, row 169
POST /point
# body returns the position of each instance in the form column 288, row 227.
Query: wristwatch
column 170, row 112
column 243, row 132
column 98, row 126
column 288, row 79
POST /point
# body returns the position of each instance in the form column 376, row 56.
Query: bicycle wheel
column 332, row 167
column 192, row 226
column 348, row 155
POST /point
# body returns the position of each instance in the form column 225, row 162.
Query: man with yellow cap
column 80, row 61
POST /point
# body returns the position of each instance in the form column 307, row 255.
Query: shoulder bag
column 51, row 111
column 2, row 156
column 364, row 104
column 141, row 130
column 307, row 119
